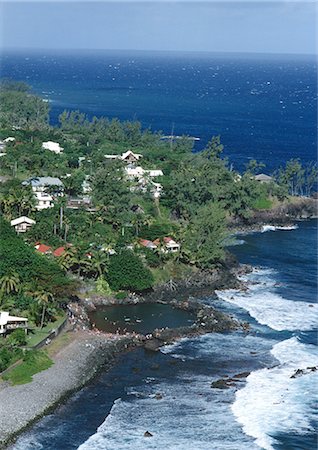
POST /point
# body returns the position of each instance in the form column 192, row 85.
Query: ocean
column 269, row 409
column 265, row 108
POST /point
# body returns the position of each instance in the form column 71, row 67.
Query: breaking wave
column 276, row 401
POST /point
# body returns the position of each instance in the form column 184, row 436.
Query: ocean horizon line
column 155, row 51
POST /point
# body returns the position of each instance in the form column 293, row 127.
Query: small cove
column 140, row 318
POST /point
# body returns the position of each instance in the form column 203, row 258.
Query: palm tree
column 43, row 298
column 99, row 262
column 68, row 259
column 10, row 283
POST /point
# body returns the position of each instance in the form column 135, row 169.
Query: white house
column 9, row 139
column 154, row 173
column 263, row 178
column 8, row 322
column 170, row 246
column 128, row 157
column 53, row 147
column 22, row 224
column 134, row 172
column 86, row 185
column 40, row 185
column 156, row 189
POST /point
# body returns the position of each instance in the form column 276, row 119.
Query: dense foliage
column 201, row 194
column 126, row 271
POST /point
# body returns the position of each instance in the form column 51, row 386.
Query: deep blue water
column 263, row 107
column 271, row 410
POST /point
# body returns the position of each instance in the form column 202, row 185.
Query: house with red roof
column 59, row 251
column 42, row 248
column 147, row 244
column 171, row 246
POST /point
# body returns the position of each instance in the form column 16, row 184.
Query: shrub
column 126, row 271
column 102, row 287
column 17, row 338
column 152, row 258
column 121, row 295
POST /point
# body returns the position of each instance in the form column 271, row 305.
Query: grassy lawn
column 36, row 335
column 263, row 203
column 34, row 361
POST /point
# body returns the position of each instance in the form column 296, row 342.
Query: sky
column 253, row 26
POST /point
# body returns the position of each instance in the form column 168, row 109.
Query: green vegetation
column 34, row 361
column 103, row 240
column 126, row 271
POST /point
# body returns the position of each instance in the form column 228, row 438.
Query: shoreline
column 95, row 351
column 75, row 365
column 91, row 351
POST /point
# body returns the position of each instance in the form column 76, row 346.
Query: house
column 42, row 248
column 59, row 251
column 134, row 172
column 156, row 189
column 22, row 224
column 147, row 244
column 170, row 246
column 40, row 185
column 263, row 178
column 128, row 157
column 8, row 323
column 2, row 146
column 86, row 185
column 154, row 173
column 81, row 202
column 9, row 139
column 53, row 147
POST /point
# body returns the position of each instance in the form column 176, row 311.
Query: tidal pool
column 142, row 318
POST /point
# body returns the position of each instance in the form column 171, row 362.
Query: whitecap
column 272, row 402
column 190, row 415
column 281, row 228
column 269, row 308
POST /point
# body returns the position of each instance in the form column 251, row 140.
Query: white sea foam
column 275, row 228
column 272, row 402
column 269, row 308
column 190, row 415
column 186, row 418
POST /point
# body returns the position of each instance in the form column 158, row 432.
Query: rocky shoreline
column 286, row 214
column 74, row 366
column 91, row 350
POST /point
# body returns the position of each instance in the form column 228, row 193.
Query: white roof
column 22, row 219
column 5, row 318
column 128, row 153
column 9, row 139
column 53, row 146
column 112, row 156
column 263, row 177
column 135, row 171
column 154, row 173
column 43, row 181
column 172, row 243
